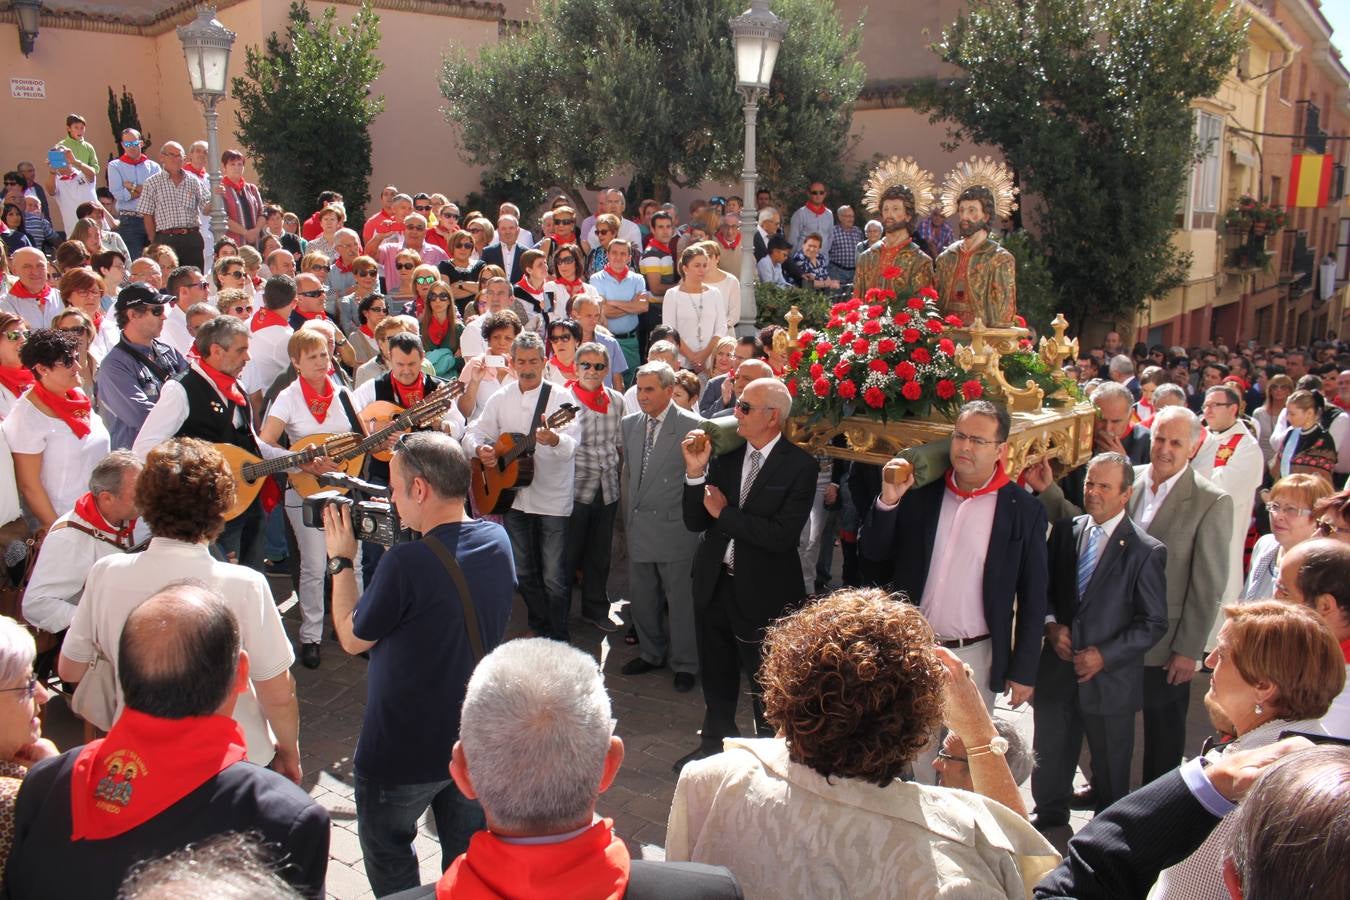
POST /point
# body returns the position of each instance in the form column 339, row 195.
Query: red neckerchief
column 317, row 403
column 200, row 173
column 573, row 287
column 257, row 281
column 617, row 276
column 662, row 247
column 818, row 210
column 594, row 865
column 133, row 162
column 144, row 766
column 266, row 318
column 236, row 186
column 1225, row 452
column 999, row 479
column 1345, row 649
column 341, row 266
column 16, row 379
column 1239, row 381
column 366, row 330
column 596, row 400
column 408, row 395
column 228, row 384
column 524, row 285
column 310, row 317
column 569, row 371
column 725, row 245
column 98, row 321
column 72, row 408
column 1343, row 403
column 437, row 330
column 87, row 508
column 21, row 290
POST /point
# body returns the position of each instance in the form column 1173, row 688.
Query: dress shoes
column 638, row 666
column 703, row 752
column 604, row 623
column 309, row 655
column 684, row 682
column 1084, row 798
column 1047, row 823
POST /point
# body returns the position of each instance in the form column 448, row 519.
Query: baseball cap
column 138, row 293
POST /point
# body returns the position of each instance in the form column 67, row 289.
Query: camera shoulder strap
column 462, row 586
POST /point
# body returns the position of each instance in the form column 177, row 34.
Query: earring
column 1259, row 710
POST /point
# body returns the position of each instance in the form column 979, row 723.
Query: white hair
column 767, row 214
column 1121, row 365
column 535, row 730
column 17, row 652
column 1169, row 413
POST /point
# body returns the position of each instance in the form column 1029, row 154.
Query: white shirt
column 452, row 423
column 699, row 318
column 60, row 571
column 471, row 341
column 107, row 338
column 628, row 230
column 292, row 411
column 37, row 315
column 1153, row 500
column 175, row 331
column 509, row 410
column 9, row 488
column 267, row 357
column 171, row 411
column 745, row 469
column 730, row 287
column 121, row 582
column 69, row 193
column 67, row 461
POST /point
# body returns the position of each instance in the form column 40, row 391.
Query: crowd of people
column 528, row 391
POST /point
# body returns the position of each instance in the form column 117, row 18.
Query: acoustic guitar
column 493, row 487
column 383, row 420
column 251, row 471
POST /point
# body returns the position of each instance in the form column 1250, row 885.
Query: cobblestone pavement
column 657, row 725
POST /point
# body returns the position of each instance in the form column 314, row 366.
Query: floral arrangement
column 1250, row 212
column 880, row 359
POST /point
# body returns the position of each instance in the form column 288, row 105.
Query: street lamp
column 757, row 34
column 206, row 46
column 28, row 12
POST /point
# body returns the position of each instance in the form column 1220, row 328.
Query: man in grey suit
column 660, row 549
column 1194, row 519
column 1108, row 607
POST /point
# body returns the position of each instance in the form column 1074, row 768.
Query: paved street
column 657, row 725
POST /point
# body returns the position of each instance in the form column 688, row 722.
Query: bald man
column 32, row 298
column 171, row 204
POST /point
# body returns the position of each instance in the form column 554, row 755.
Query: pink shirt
column 953, row 594
column 388, row 255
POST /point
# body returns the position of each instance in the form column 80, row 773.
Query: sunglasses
column 603, row 231
column 425, row 279
column 439, row 297
column 11, row 184
column 422, row 209
column 233, row 273
column 319, row 293
column 241, row 310
column 746, row 409
column 464, row 245
column 592, row 367
column 560, row 337
column 817, row 193
column 564, row 221
column 29, row 687
column 131, row 143
column 320, row 267
column 405, row 267
column 203, row 284
column 383, row 309
column 449, row 215
column 154, row 309
column 16, row 335
column 365, row 273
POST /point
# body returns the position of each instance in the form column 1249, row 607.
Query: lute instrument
column 250, row 470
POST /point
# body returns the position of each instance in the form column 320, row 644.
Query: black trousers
column 244, row 537
column 727, row 648
column 1165, row 707
column 189, row 247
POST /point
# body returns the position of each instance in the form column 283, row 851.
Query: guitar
column 493, row 487
column 251, row 471
column 390, row 420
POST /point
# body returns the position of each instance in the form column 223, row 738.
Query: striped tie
column 755, row 458
column 652, row 422
column 1087, row 562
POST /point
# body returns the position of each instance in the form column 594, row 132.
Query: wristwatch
column 998, row 746
column 338, row 563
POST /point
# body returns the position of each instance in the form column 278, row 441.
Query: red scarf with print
column 593, row 865
column 200, row 173
column 266, row 318
column 144, row 766
column 409, row 395
column 16, row 379
column 617, row 276
column 71, row 408
column 597, row 400
column 999, row 479
column 317, row 403
column 728, row 246
column 311, row 316
column 87, row 508
column 227, row 384
column 21, row 290
column 816, row 208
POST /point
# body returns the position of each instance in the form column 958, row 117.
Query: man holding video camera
column 425, row 630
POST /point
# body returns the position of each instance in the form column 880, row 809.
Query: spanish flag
column 1310, row 180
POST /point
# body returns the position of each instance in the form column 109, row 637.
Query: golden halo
column 994, row 177
column 903, row 173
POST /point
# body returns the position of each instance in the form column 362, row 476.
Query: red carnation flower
column 816, row 370
column 887, row 294
column 846, row 338
column 875, row 311
column 921, row 356
column 972, row 390
column 794, row 359
column 792, row 386
column 936, row 326
column 946, row 390
column 848, row 390
column 914, row 303
column 886, row 345
column 930, row 292
column 955, row 321
column 822, row 387
column 839, row 309
column 874, row 397
column 890, row 273
column 871, row 326
column 911, row 335
column 1024, row 344
column 835, row 322
column 911, row 390
column 905, row 371
column 873, row 295
column 860, row 346
column 842, row 368
column 823, row 348
column 852, row 317
column 1021, row 322
column 854, row 303
column 805, row 338
column 879, row 365
column 947, row 347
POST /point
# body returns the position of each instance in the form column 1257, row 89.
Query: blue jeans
column 386, row 823
column 131, row 228
column 539, row 544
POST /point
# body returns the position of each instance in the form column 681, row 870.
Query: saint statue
column 900, row 194
column 976, row 278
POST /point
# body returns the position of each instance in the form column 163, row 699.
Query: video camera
column 374, row 517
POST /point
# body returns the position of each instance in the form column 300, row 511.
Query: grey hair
column 528, row 340
column 438, row 460
column 1021, row 758
column 776, row 396
column 535, row 730
column 1169, row 413
column 221, row 332
column 767, row 214
column 1169, row 390
column 1121, row 365
column 515, row 220
column 1109, row 390
column 342, row 231
column 661, row 369
column 873, row 223
column 583, row 299
column 664, row 347
column 110, row 471
column 227, row 866
column 1119, row 459
column 592, row 347
column 17, row 652
column 201, row 309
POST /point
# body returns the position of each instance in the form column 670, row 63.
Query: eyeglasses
column 405, row 267
column 464, row 245
column 320, row 267
column 422, row 209
column 817, row 193
column 365, row 273
column 29, row 687
column 603, row 231
column 233, row 273
column 16, row 335
column 425, row 279
column 439, row 297
column 449, row 215
column 570, row 260
column 1326, row 528
column 592, row 367
column 74, row 329
column 947, row 757
column 564, row 221
column 317, row 293
column 1276, row 509
column 11, row 184
column 972, row 439
column 560, row 337
column 1211, row 404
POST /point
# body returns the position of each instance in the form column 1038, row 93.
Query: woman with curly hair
column 855, row 688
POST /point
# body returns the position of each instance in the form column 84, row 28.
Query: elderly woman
column 1276, row 668
column 1289, row 503
column 686, row 390
column 855, row 689
column 808, row 267
column 365, row 272
column 22, row 697
column 331, row 219
column 55, row 439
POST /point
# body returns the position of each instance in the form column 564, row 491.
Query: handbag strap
column 462, row 586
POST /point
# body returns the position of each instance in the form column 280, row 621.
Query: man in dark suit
column 750, row 505
column 1108, row 606
column 506, row 251
column 171, row 772
column 970, row 549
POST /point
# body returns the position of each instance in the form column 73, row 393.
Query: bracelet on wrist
column 997, row 746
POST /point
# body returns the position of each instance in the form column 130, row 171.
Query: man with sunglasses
column 186, row 287
column 171, row 203
column 131, row 376
column 814, row 217
column 126, row 176
column 412, row 237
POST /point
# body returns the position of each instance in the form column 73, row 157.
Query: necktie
column 1087, row 561
column 652, row 423
column 746, row 483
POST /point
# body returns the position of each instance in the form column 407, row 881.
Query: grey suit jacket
column 652, row 505
column 1194, row 524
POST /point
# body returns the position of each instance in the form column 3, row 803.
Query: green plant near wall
column 121, row 116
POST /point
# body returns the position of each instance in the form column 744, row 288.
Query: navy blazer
column 1015, row 568
column 492, row 256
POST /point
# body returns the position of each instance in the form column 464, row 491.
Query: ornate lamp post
column 28, row 12
column 757, row 34
column 206, row 46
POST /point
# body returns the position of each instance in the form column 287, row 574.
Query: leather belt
column 957, row 643
column 175, row 231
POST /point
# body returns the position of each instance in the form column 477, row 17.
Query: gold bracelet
column 997, row 746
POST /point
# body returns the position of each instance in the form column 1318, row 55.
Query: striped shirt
column 599, row 441
column 174, row 205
